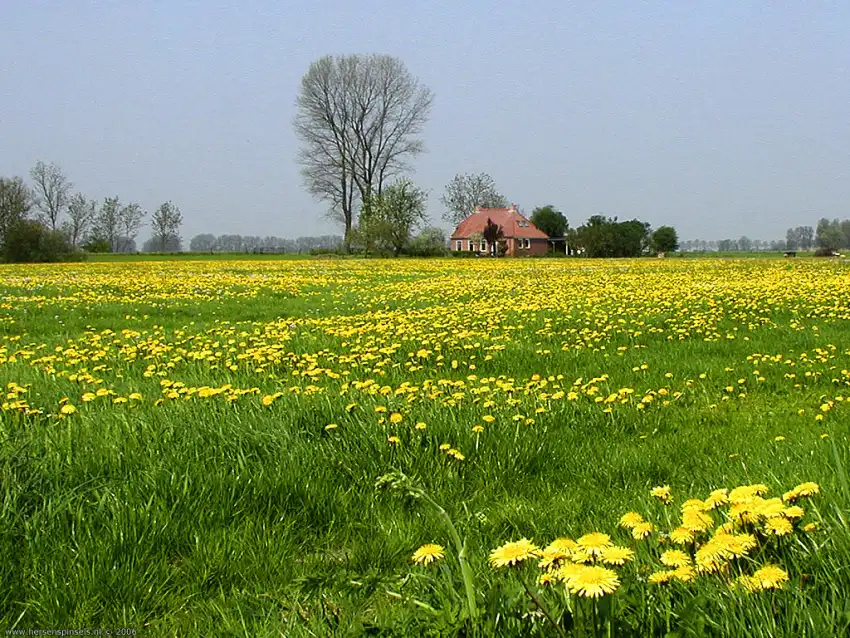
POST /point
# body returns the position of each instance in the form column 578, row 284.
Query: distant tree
column 792, row 239
column 203, row 243
column 494, row 235
column 130, row 221
column 15, row 204
column 430, row 242
column 165, row 224
column 106, row 226
column 396, row 213
column 51, row 191
column 358, row 120
column 665, row 239
column 550, row 221
column 745, row 244
column 171, row 244
column 845, row 231
column 465, row 192
column 28, row 240
column 829, row 235
column 601, row 237
column 81, row 214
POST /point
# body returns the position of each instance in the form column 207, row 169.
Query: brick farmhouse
column 520, row 235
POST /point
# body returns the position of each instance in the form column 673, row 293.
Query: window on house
column 459, row 245
column 483, row 245
column 528, row 243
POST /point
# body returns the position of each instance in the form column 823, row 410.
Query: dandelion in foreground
column 675, row 558
column 513, row 553
column 594, row 543
column 663, row 494
column 616, row 555
column 428, row 554
column 68, row 409
column 593, row 581
column 778, row 526
column 641, row 530
column 681, row 536
column 769, row 577
column 630, row 519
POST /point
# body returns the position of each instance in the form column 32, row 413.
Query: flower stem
column 542, row 607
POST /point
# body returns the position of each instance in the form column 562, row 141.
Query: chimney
column 512, row 207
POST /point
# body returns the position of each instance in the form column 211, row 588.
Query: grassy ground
column 196, row 448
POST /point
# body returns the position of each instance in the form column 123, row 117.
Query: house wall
column 538, row 247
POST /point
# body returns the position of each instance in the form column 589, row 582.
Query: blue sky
column 723, row 119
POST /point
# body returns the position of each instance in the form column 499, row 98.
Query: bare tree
column 165, row 224
column 358, row 119
column 51, row 190
column 130, row 220
column 15, row 203
column 81, row 214
column 106, row 225
column 465, row 192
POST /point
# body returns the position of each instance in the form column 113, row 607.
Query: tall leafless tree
column 81, row 215
column 359, row 119
column 130, row 220
column 465, row 192
column 51, row 190
column 165, row 224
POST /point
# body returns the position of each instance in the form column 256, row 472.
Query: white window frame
column 459, row 245
column 528, row 244
column 483, row 245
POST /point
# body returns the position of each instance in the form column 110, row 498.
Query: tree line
column 46, row 220
column 827, row 237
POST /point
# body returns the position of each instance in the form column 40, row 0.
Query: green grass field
column 258, row 447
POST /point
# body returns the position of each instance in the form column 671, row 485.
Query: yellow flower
column 267, row 399
column 478, row 428
column 594, row 543
column 779, row 438
column 810, row 528
column 663, row 494
column 661, row 577
column 778, row 526
column 803, row 489
column 136, row 396
column 487, row 418
column 89, row 396
column 684, row 573
column 717, row 498
column 393, row 439
column 793, row 512
column 696, row 521
column 682, row 536
column 420, row 426
column 556, row 552
column 513, row 553
column 675, row 558
column 771, row 577
column 396, row 418
column 616, row 555
column 428, row 554
column 68, row 409
column 593, row 582
column 641, row 530
column 331, row 426
column 630, row 519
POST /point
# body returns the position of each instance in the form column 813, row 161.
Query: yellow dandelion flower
column 567, row 571
column 771, row 577
column 778, row 526
column 682, row 536
column 89, row 396
column 420, row 426
column 393, row 440
column 684, row 573
column 267, row 399
column 810, row 528
column 794, row 512
column 616, row 555
column 802, row 490
column 136, row 396
column 68, row 409
column 717, row 498
column 630, row 519
column 513, row 553
column 556, row 552
column 331, row 426
column 478, row 429
column 445, row 447
column 675, row 558
column 696, row 521
column 547, row 578
column 695, row 504
column 641, row 530
column 661, row 577
column 748, row 583
column 428, row 554
column 744, row 493
column 396, row 418
column 487, row 418
column 663, row 494
column 594, row 582
column 594, row 543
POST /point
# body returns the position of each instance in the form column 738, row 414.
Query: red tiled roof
column 508, row 218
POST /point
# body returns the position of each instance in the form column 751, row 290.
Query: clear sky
column 724, row 119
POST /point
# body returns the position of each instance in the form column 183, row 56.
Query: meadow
column 323, row 447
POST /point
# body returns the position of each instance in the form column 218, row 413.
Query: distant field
column 257, row 446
